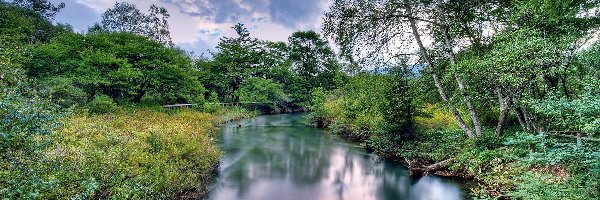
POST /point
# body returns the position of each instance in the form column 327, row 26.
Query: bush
column 435, row 116
column 134, row 155
column 27, row 123
column 62, row 91
column 102, row 104
column 385, row 145
column 263, row 91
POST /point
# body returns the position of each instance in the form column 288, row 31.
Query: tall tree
column 380, row 27
column 126, row 17
column 43, row 7
column 23, row 25
column 238, row 59
column 449, row 49
column 313, row 61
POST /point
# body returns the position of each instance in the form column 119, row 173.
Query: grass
column 135, row 152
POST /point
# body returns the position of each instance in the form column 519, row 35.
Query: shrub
column 211, row 107
column 435, row 116
column 135, row 155
column 62, row 91
column 27, row 123
column 102, row 104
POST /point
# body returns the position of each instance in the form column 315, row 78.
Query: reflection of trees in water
column 276, row 153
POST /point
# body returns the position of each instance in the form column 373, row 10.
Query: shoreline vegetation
column 503, row 167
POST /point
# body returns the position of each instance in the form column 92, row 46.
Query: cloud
column 200, row 47
column 294, row 13
column 210, row 33
column 291, row 14
column 78, row 15
column 197, row 25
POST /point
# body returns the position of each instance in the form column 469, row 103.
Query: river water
column 281, row 157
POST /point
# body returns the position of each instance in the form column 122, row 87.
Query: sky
column 197, row 25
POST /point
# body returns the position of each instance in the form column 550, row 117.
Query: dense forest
column 505, row 93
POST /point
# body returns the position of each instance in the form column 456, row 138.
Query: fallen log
column 426, row 170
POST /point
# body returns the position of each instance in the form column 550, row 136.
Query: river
column 281, row 157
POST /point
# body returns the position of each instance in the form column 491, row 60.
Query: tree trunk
column 415, row 169
column 138, row 97
column 529, row 121
column 461, row 85
column 518, row 112
column 436, row 79
column 524, row 118
column 531, row 150
column 504, row 108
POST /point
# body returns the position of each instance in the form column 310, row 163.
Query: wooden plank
column 224, row 104
column 179, row 105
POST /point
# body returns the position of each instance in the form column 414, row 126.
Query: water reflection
column 280, row 157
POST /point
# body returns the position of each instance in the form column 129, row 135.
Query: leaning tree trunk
column 519, row 112
column 459, row 81
column 504, row 108
column 436, row 78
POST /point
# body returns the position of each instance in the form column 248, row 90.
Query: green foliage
column 27, row 123
column 62, row 91
column 561, row 171
column 241, row 63
column 41, row 7
column 102, row 104
column 575, row 113
column 20, row 26
column 436, row 117
column 398, row 108
column 262, row 91
column 212, row 105
column 314, row 63
column 384, row 144
column 370, row 108
column 124, row 66
column 237, row 59
column 24, row 117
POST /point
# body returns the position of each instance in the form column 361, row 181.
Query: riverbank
column 502, row 167
column 131, row 153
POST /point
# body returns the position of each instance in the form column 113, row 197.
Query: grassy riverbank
column 502, row 167
column 133, row 153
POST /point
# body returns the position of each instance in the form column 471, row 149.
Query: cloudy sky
column 197, row 25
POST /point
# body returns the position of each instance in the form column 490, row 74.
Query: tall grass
column 135, row 154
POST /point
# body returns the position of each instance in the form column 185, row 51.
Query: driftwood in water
column 415, row 169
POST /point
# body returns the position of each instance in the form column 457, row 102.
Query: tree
column 125, row 17
column 532, row 58
column 124, row 66
column 42, row 7
column 360, row 26
column 238, row 58
column 313, row 62
column 398, row 109
column 23, row 26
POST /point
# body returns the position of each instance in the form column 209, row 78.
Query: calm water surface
column 281, row 157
